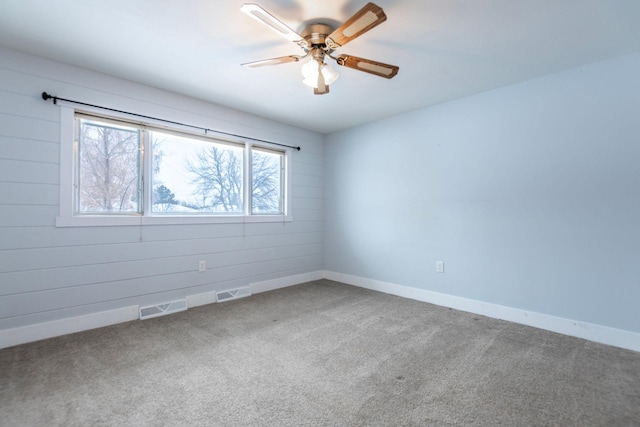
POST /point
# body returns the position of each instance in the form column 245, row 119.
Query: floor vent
column 233, row 294
column 162, row 309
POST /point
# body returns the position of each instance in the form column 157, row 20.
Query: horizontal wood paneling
column 48, row 272
column 13, row 148
column 309, row 215
column 74, row 276
column 58, row 298
column 27, row 105
column 52, row 237
column 27, row 215
column 311, row 169
column 29, row 171
column 29, row 128
column 143, row 300
column 22, row 80
column 307, row 157
column 18, row 193
column 46, row 258
column 310, row 203
column 311, row 181
column 307, row 192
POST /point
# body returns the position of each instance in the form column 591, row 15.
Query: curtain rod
column 47, row 97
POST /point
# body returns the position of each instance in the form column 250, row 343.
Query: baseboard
column 204, row 298
column 54, row 328
column 589, row 331
column 283, row 282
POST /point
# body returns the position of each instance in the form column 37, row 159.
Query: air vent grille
column 162, row 309
column 233, row 294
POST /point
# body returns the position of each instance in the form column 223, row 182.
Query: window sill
column 112, row 220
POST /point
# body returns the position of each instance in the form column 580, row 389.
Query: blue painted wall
column 530, row 194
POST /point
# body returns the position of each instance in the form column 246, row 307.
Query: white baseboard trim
column 589, row 331
column 283, row 282
column 203, row 298
column 54, row 328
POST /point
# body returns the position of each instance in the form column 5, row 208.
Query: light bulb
column 311, row 83
column 330, row 75
column 310, row 70
column 310, row 73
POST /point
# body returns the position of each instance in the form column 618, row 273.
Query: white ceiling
column 445, row 49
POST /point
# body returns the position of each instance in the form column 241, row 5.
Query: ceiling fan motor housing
column 315, row 34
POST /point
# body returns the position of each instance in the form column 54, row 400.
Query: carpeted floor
column 319, row 354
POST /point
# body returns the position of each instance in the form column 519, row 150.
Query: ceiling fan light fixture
column 311, row 83
column 319, row 40
column 310, row 72
column 330, row 75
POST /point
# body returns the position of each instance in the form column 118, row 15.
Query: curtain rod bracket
column 47, row 97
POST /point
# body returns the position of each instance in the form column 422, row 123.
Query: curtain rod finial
column 47, row 97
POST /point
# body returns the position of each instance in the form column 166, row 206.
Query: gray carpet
column 321, row 353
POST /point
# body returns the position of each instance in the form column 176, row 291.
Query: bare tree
column 266, row 191
column 218, row 179
column 108, row 169
column 109, row 175
column 218, row 176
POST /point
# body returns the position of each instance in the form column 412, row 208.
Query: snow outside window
column 123, row 169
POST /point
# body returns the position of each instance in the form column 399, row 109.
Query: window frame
column 68, row 152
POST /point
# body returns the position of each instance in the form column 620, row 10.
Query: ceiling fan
column 319, row 41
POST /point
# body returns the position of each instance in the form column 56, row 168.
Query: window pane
column 108, row 162
column 195, row 176
column 267, row 182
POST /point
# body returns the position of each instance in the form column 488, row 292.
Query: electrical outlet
column 202, row 266
column 440, row 266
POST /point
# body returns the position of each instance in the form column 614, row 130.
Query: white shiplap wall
column 49, row 273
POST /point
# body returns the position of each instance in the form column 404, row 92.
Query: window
column 108, row 168
column 266, row 187
column 196, row 176
column 124, row 171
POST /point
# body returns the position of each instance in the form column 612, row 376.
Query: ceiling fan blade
column 364, row 20
column 272, row 61
column 374, row 67
column 261, row 15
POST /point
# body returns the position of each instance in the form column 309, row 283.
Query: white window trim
column 67, row 218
